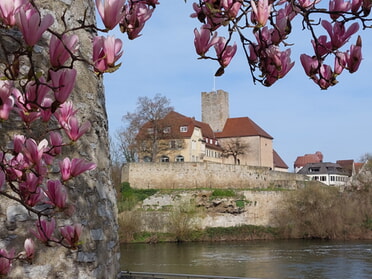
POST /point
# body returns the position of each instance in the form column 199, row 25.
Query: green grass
column 131, row 197
column 219, row 193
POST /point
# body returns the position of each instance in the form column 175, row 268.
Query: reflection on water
column 256, row 259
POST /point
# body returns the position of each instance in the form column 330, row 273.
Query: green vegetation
column 130, row 197
column 223, row 193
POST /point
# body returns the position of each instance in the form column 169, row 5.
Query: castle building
column 217, row 138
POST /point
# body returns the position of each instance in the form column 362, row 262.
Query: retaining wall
column 206, row 175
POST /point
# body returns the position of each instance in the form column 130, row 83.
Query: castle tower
column 215, row 109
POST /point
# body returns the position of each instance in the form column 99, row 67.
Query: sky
column 300, row 117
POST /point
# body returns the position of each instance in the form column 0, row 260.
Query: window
column 180, row 158
column 167, row 130
column 323, row 178
column 183, row 129
column 164, row 159
column 172, row 144
column 150, row 131
column 147, row 159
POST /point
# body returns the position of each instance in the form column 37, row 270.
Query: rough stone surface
column 93, row 195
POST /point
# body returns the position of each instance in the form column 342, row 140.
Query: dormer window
column 183, row 129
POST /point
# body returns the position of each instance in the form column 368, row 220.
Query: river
column 254, row 259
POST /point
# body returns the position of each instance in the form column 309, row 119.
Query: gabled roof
column 323, row 168
column 347, row 165
column 308, row 158
column 241, row 127
column 278, row 162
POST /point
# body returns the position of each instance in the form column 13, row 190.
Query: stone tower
column 215, row 109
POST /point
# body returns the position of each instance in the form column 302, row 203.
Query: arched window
column 164, row 159
column 147, row 159
column 180, row 158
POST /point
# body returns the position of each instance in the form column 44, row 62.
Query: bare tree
column 234, row 147
column 144, row 127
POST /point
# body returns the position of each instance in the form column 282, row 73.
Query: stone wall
column 206, row 175
column 257, row 208
column 92, row 194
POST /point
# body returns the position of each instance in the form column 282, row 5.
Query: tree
column 234, row 147
column 145, row 127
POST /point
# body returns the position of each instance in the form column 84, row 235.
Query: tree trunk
column 93, row 194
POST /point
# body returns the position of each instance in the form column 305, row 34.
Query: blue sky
column 295, row 112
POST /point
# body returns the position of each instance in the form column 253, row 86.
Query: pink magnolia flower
column 63, row 82
column 6, row 99
column 31, row 25
column 111, row 12
column 60, row 49
column 354, row 58
column 326, row 77
column 338, row 33
column 224, row 52
column 338, row 6
column 5, row 261
column 307, row 4
column 45, row 230
column 33, row 151
column 310, row 64
column 279, row 66
column 56, row 193
column 355, row 5
column 260, row 11
column 340, row 62
column 106, row 51
column 204, row 39
column 29, row 248
column 321, row 46
column 71, row 234
column 55, row 140
column 30, row 191
column 232, row 7
column 71, row 168
column 73, row 130
column 24, row 109
column 36, row 92
column 136, row 16
column 64, row 112
column 8, row 10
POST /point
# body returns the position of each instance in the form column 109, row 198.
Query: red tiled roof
column 308, row 159
column 241, row 127
column 278, row 161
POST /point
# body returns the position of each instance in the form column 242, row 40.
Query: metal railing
column 153, row 275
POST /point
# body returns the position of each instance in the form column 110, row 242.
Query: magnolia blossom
column 261, row 11
column 60, row 49
column 71, row 168
column 354, row 58
column 8, row 10
column 6, row 99
column 224, row 52
column 338, row 33
column 31, row 25
column 29, row 248
column 136, row 15
column 232, row 7
column 111, row 12
column 74, row 130
column 56, row 193
column 71, row 234
column 106, row 51
column 45, row 230
column 203, row 40
column 310, row 64
column 63, row 82
column 5, row 261
column 338, row 6
column 29, row 190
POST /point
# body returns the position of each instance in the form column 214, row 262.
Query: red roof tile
column 278, row 162
column 241, row 127
column 308, row 159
